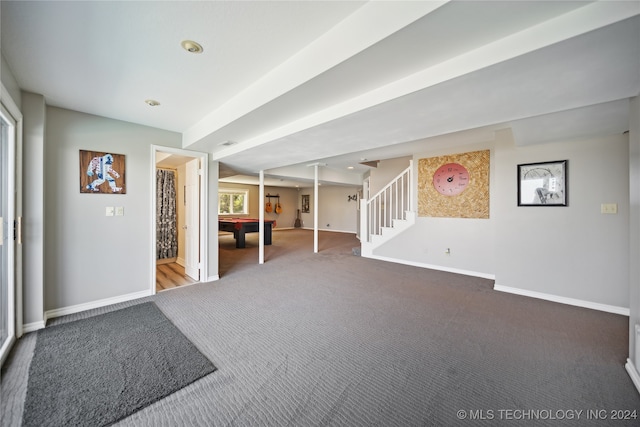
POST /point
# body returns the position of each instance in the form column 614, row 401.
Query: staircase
column 388, row 212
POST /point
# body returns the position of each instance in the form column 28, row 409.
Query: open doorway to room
column 179, row 218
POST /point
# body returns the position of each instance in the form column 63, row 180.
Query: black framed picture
column 543, row 184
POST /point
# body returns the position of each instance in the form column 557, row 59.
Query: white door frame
column 191, row 214
column 12, row 115
column 204, row 214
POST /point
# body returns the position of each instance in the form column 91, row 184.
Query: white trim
column 34, row 326
column 322, row 229
column 50, row 314
column 633, row 373
column 213, row 278
column 14, row 286
column 433, row 267
column 260, row 218
column 564, row 300
column 315, row 208
column 10, row 104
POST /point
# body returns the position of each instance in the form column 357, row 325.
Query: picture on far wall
column 305, row 203
column 102, row 172
column 542, row 184
column 454, row 185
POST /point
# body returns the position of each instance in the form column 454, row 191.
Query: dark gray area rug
column 98, row 370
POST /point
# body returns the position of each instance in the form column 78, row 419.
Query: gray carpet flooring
column 333, row 339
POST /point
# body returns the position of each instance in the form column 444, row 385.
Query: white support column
column 261, row 220
column 364, row 221
column 315, row 210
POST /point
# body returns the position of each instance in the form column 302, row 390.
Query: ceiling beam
column 373, row 22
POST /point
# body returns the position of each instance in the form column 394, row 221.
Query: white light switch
column 109, row 211
column 609, row 208
column 119, row 210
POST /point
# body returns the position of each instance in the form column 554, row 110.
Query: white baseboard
column 33, row 326
column 329, row 229
column 633, row 373
column 564, row 300
column 94, row 304
column 213, row 278
column 434, row 267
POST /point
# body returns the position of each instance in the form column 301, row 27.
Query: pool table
column 240, row 226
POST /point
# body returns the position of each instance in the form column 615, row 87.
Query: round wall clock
column 451, row 179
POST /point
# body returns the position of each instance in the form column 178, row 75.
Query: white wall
column 34, row 214
column 634, row 230
column 9, row 82
column 386, row 171
column 89, row 256
column 572, row 252
column 575, row 251
column 470, row 241
column 335, row 211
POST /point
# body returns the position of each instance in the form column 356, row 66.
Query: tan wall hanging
column 454, row 186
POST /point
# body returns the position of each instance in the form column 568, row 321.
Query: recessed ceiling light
column 349, row 167
column 227, row 143
column 152, row 102
column 191, row 46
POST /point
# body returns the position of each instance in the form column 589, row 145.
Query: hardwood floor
column 169, row 276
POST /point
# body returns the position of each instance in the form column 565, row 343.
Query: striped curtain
column 166, row 226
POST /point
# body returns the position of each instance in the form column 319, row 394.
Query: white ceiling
column 301, row 82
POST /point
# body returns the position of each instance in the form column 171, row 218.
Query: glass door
column 7, row 191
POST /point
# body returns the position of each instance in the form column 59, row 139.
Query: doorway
column 181, row 255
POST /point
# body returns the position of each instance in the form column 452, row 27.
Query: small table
column 240, row 226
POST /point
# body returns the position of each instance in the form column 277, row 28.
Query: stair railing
column 390, row 203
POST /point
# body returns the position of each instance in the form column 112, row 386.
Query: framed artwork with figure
column 102, row 173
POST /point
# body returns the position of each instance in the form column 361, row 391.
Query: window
column 233, row 202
